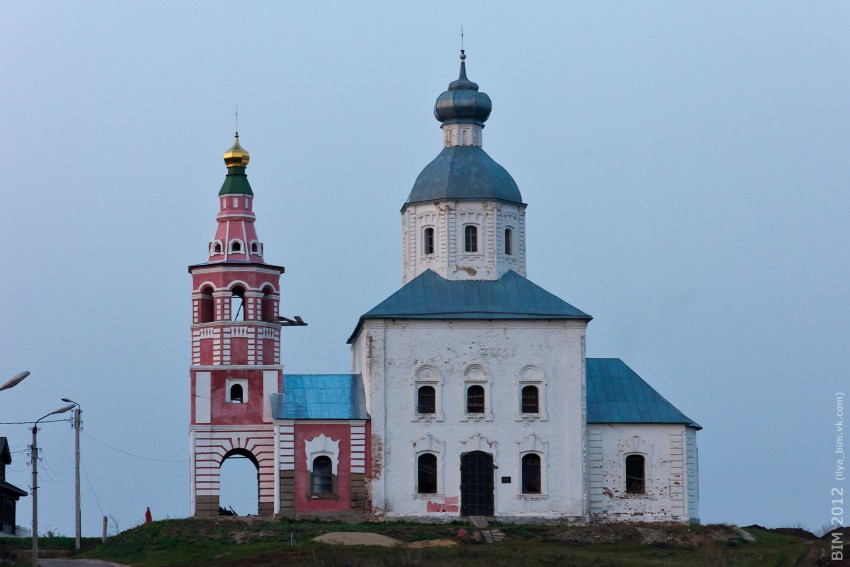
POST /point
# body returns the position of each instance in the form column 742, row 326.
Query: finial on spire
column 237, row 121
column 461, row 38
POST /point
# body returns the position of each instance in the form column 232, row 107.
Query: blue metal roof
column 616, row 394
column 430, row 296
column 464, row 173
column 320, row 396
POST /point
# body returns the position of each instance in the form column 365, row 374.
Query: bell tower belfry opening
column 235, row 348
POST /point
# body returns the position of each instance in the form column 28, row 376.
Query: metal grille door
column 476, row 484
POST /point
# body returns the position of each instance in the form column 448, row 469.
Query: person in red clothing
column 148, row 516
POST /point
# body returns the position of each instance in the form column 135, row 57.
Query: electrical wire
column 96, row 499
column 131, row 454
column 30, row 422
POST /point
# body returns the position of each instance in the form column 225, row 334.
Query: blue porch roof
column 320, row 396
column 616, row 394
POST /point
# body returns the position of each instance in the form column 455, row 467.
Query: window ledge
column 324, row 497
column 428, row 417
column 532, row 496
column 428, row 496
column 477, row 417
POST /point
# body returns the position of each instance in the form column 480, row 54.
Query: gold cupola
column 236, row 155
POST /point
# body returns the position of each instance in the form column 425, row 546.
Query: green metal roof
column 430, row 296
column 616, row 394
column 236, row 182
column 320, row 396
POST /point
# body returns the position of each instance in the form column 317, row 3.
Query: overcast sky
column 685, row 167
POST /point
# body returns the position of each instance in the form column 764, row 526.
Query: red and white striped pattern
column 211, row 446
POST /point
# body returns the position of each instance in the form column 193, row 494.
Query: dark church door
column 476, row 484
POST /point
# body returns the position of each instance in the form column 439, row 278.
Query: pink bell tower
column 235, row 348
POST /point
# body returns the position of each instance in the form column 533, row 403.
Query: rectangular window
column 427, row 474
column 470, row 238
column 509, row 244
column 429, row 241
column 635, row 475
column 531, row 474
column 426, row 400
column 475, row 399
column 530, row 399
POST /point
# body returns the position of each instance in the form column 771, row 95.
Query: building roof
column 5, row 454
column 430, row 296
column 6, row 459
column 616, row 394
column 320, row 396
column 464, row 173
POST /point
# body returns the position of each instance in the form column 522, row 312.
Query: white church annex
column 470, row 393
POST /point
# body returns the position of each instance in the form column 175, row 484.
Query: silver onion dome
column 462, row 102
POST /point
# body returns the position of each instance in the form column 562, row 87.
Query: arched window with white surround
column 531, row 467
column 322, row 456
column 217, row 248
column 531, row 394
column 476, row 392
column 427, row 394
column 237, row 247
column 255, row 248
column 429, row 453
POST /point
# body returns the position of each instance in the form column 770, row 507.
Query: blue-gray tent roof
column 320, row 396
column 430, row 296
column 464, row 173
column 616, row 394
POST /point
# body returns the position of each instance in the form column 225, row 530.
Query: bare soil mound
column 357, row 538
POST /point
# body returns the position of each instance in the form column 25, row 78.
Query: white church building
column 470, row 392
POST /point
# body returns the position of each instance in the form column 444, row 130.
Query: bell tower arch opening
column 239, row 483
column 237, row 303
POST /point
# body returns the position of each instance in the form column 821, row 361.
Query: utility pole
column 77, row 415
column 63, row 409
column 34, row 496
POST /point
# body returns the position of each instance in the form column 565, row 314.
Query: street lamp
column 77, row 413
column 63, row 409
column 15, row 380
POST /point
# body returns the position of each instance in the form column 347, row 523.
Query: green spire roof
column 236, row 182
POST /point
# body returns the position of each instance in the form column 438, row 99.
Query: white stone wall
column 448, row 219
column 503, row 356
column 669, row 451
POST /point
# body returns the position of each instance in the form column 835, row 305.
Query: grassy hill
column 255, row 542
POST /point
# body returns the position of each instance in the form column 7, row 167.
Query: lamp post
column 77, row 414
column 15, row 380
column 63, row 409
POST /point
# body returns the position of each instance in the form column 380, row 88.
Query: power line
column 131, row 454
column 30, row 422
column 96, row 499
